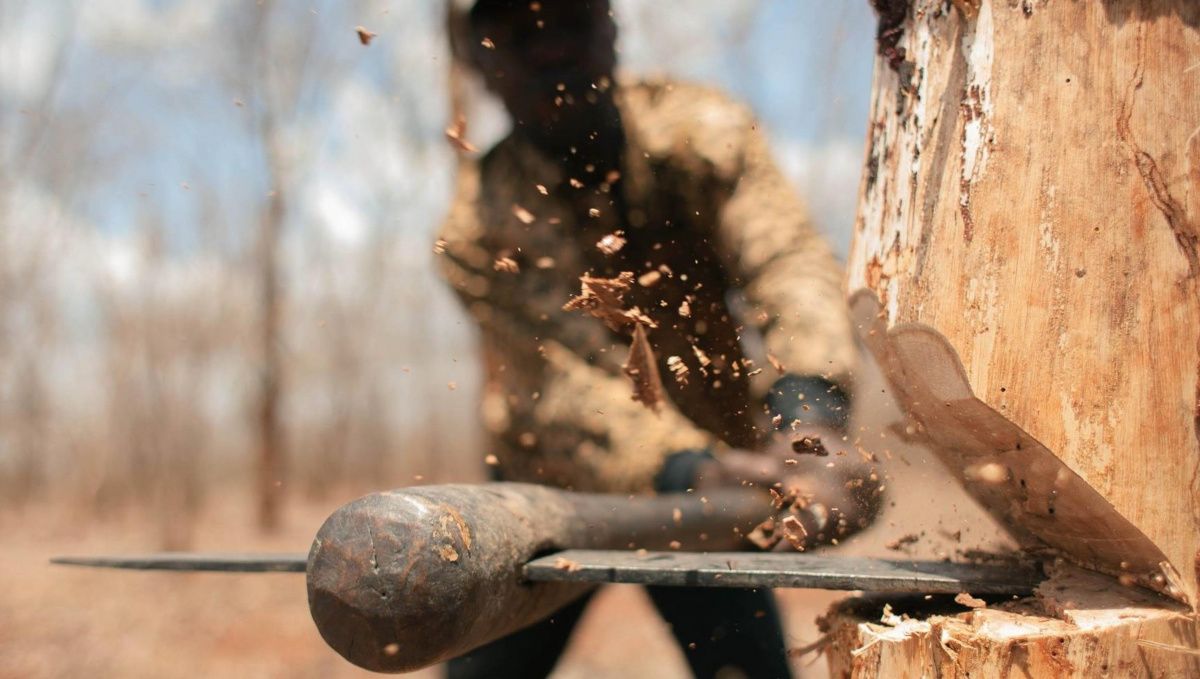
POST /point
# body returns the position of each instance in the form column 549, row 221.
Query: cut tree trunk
column 1026, row 269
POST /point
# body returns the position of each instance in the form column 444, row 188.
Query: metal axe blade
column 780, row 570
column 691, row 569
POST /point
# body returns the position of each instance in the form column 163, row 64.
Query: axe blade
column 781, row 570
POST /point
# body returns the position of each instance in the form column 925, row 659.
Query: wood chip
column 678, row 368
column 642, row 369
column 543, row 190
column 567, row 565
column 456, row 134
column 604, row 298
column 491, row 460
column 795, row 533
column 810, row 445
column 612, row 243
column 506, row 265
column 969, row 601
column 544, row 263
column 364, row 36
column 523, row 215
column 487, row 43
column 685, row 309
column 649, row 279
column 779, row 367
column 677, row 516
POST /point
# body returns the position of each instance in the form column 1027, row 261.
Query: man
column 665, row 197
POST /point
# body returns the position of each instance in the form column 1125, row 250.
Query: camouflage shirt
column 738, row 284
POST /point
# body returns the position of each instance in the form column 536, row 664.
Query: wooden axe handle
column 405, row 579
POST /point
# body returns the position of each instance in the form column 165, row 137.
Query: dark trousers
column 733, row 632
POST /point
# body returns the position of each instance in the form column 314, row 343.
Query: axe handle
column 405, row 579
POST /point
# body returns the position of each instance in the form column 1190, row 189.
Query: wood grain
column 1032, row 195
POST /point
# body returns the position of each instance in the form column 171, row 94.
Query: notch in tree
column 1025, row 268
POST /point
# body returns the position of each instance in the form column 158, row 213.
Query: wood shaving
column 439, row 246
column 523, row 215
column 456, row 134
column 795, row 533
column 779, row 367
column 364, row 36
column 678, row 368
column 642, row 369
column 969, row 601
column 506, row 265
column 685, row 309
column 487, row 43
column 604, row 298
column 612, row 243
column 593, row 212
column 543, row 190
column 575, row 183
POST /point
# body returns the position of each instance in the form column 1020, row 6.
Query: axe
column 405, row 579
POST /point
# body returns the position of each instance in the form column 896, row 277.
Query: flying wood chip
column 642, row 368
column 364, row 36
column 604, row 298
column 456, row 134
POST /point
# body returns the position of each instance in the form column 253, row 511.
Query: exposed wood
column 1077, row 627
column 1031, row 198
column 1026, row 271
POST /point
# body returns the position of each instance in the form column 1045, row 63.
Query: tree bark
column 1026, row 269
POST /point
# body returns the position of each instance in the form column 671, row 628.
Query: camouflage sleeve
column 623, row 444
column 789, row 276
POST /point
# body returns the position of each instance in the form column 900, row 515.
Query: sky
column 154, row 77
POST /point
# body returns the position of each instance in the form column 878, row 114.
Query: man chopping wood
column 655, row 313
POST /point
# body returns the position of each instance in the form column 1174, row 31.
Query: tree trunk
column 1026, row 269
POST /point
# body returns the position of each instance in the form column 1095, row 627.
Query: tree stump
column 1026, row 269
